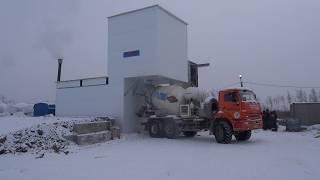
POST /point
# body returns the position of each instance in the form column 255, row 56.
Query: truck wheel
column 155, row 129
column 171, row 129
column 189, row 133
column 223, row 132
column 243, row 136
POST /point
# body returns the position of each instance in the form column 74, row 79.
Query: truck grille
column 254, row 116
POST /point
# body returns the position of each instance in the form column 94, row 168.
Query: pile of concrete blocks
column 94, row 132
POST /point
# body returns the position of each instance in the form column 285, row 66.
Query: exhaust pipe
column 59, row 69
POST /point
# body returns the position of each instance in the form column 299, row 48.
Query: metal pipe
column 59, row 69
column 241, row 82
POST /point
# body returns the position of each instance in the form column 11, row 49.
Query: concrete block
column 91, row 127
column 92, row 138
column 115, row 132
column 70, row 137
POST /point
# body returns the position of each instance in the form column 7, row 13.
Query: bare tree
column 5, row 100
column 283, row 104
column 213, row 93
column 301, row 96
column 305, row 96
column 1, row 98
column 289, row 98
column 269, row 102
column 313, row 96
column 276, row 103
column 279, row 103
column 258, row 99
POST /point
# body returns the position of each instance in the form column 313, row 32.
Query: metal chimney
column 59, row 69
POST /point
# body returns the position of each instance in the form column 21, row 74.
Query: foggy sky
column 267, row 41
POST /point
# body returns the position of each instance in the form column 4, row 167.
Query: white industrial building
column 145, row 47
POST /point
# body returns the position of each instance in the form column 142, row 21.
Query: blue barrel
column 52, row 109
column 40, row 109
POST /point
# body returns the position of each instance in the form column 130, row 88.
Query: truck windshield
column 247, row 96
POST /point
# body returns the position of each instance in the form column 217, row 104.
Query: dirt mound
column 42, row 138
column 37, row 139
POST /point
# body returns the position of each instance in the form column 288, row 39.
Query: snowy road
column 268, row 155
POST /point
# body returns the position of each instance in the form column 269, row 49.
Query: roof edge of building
column 157, row 5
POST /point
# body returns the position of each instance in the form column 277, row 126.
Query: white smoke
column 55, row 40
column 57, row 27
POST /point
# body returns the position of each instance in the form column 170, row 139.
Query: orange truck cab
column 238, row 108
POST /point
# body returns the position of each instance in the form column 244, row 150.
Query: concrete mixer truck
column 172, row 110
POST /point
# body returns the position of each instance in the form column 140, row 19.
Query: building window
column 131, row 53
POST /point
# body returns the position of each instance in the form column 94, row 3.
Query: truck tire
column 155, row 129
column 171, row 129
column 223, row 132
column 189, row 133
column 243, row 136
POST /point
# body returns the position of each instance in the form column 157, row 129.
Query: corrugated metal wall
column 307, row 113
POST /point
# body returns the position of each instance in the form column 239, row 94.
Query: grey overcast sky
column 268, row 41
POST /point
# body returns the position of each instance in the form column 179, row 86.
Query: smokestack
column 59, row 69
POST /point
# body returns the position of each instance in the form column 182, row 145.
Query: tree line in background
column 282, row 103
column 5, row 100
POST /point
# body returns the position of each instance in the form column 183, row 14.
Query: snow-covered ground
column 268, row 155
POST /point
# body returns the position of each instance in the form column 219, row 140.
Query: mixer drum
column 167, row 99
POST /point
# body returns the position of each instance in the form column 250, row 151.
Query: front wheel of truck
column 223, row 132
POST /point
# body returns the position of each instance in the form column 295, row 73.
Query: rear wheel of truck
column 243, row 136
column 223, row 132
column 189, row 133
column 171, row 129
column 155, row 129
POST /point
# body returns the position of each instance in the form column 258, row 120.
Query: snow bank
column 20, row 107
column 46, row 134
column 3, row 108
column 8, row 106
column 24, row 107
column 314, row 127
column 37, row 139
